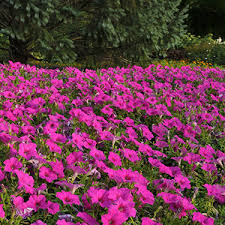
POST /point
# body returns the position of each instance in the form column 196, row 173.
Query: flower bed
column 117, row 146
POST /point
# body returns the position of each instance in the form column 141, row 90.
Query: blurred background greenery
column 98, row 33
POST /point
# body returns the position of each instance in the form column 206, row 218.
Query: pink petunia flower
column 58, row 138
column 107, row 110
column 68, row 198
column 47, row 174
column 165, row 169
column 148, row 221
column 38, row 222
column 74, row 157
column 53, row 147
column 161, row 144
column 209, row 167
column 25, row 181
column 37, row 202
column 9, row 94
column 165, row 184
column 126, row 176
column 10, row 116
column 87, row 218
column 162, row 110
column 113, row 217
column 57, row 168
column 129, row 121
column 214, row 98
column 115, row 159
column 131, row 155
column 86, row 203
column 207, row 117
column 147, row 133
column 41, row 188
column 77, row 140
column 97, row 154
column 106, row 135
column 203, row 220
column 2, row 175
column 146, row 197
column 189, row 132
column 159, row 129
column 217, row 191
column 97, row 125
column 52, row 207
column 99, row 196
column 131, row 132
column 115, row 194
column 27, row 150
column 183, row 182
column 146, row 149
column 2, row 212
column 5, row 138
column 19, row 203
column 207, row 152
column 12, row 164
column 28, row 130
column 51, row 127
column 177, row 204
column 192, row 158
column 124, row 206
column 64, row 222
column 89, row 143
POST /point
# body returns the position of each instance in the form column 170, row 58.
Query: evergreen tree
column 61, row 29
column 31, row 27
column 134, row 29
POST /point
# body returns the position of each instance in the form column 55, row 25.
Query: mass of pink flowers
column 114, row 146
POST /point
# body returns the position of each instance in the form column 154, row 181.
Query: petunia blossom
column 2, row 212
column 12, row 164
column 87, row 218
column 37, row 202
column 52, row 207
column 68, row 198
column 113, row 217
column 148, row 221
column 203, row 220
column 115, row 159
column 47, row 174
column 38, row 222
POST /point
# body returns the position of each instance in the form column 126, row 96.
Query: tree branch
column 76, row 38
column 3, row 25
column 56, row 25
column 5, row 15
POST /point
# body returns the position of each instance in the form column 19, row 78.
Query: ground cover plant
column 117, row 146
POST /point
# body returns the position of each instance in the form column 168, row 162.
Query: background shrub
column 217, row 54
column 206, row 49
column 198, row 48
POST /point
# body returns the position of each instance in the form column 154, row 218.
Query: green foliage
column 3, row 51
column 135, row 29
column 98, row 30
column 204, row 49
column 198, row 48
column 217, row 54
column 31, row 28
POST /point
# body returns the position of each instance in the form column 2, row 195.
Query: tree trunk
column 17, row 51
